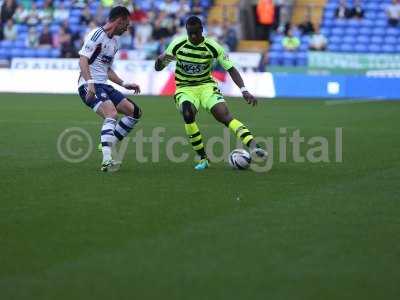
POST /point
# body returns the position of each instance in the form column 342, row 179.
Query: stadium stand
column 69, row 20
column 370, row 34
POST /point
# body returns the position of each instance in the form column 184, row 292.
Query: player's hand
column 91, row 92
column 249, row 98
column 133, row 86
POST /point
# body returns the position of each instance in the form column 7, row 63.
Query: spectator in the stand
column 229, row 37
column 306, row 27
column 80, row 3
column 143, row 33
column 32, row 17
column 163, row 26
column 342, row 11
column 262, row 65
column 357, row 10
column 46, row 38
column 32, row 40
column 126, row 39
column 19, row 15
column 61, row 13
column 169, row 6
column 10, row 31
column 265, row 17
column 86, row 16
column 100, row 16
column 215, row 30
column 393, row 13
column 182, row 13
column 46, row 14
column 92, row 25
column 138, row 14
column 107, row 3
column 290, row 42
column 63, row 41
column 8, row 9
column 197, row 9
column 279, row 5
column 318, row 41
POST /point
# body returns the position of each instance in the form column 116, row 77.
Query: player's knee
column 188, row 113
column 137, row 112
column 111, row 113
column 224, row 118
column 188, row 116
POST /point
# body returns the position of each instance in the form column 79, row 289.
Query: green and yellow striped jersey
column 194, row 62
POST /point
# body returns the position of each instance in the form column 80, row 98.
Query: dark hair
column 193, row 20
column 118, row 11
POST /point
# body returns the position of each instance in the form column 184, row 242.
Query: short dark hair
column 118, row 11
column 193, row 20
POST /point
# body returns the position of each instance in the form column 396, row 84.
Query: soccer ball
column 240, row 159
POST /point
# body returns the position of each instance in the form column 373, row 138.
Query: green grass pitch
column 163, row 231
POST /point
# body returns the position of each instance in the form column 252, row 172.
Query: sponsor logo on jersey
column 192, row 68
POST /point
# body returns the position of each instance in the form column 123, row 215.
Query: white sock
column 107, row 137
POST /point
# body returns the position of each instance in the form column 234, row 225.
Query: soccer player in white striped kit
column 96, row 58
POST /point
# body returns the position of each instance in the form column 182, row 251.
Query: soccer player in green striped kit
column 194, row 55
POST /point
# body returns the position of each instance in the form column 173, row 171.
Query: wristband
column 124, row 83
column 244, row 89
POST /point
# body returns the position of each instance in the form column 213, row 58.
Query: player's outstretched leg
column 109, row 113
column 132, row 114
column 194, row 135
column 221, row 113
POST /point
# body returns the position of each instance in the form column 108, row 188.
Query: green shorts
column 206, row 95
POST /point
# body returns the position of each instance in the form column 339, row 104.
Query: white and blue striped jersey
column 100, row 49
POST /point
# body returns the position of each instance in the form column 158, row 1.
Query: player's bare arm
column 238, row 80
column 85, row 72
column 162, row 61
column 112, row 76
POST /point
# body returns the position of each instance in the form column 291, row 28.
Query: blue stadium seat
column 335, row 39
column 351, row 31
column 55, row 53
column 289, row 59
column 390, row 40
column 337, row 31
column 378, row 31
column 372, row 6
column 4, row 54
column 364, row 30
column 392, row 31
column 20, row 44
column 388, row 49
column 74, row 20
column 274, row 58
column 6, row 44
column 339, row 23
column 380, row 22
column 374, row 48
column 348, row 39
column 276, row 47
column 29, row 52
column 75, row 13
column 376, row 39
column 361, row 48
column 43, row 52
column 325, row 31
column 16, row 52
column 301, row 58
column 366, row 23
column 363, row 39
column 333, row 47
column 346, row 48
column 303, row 47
